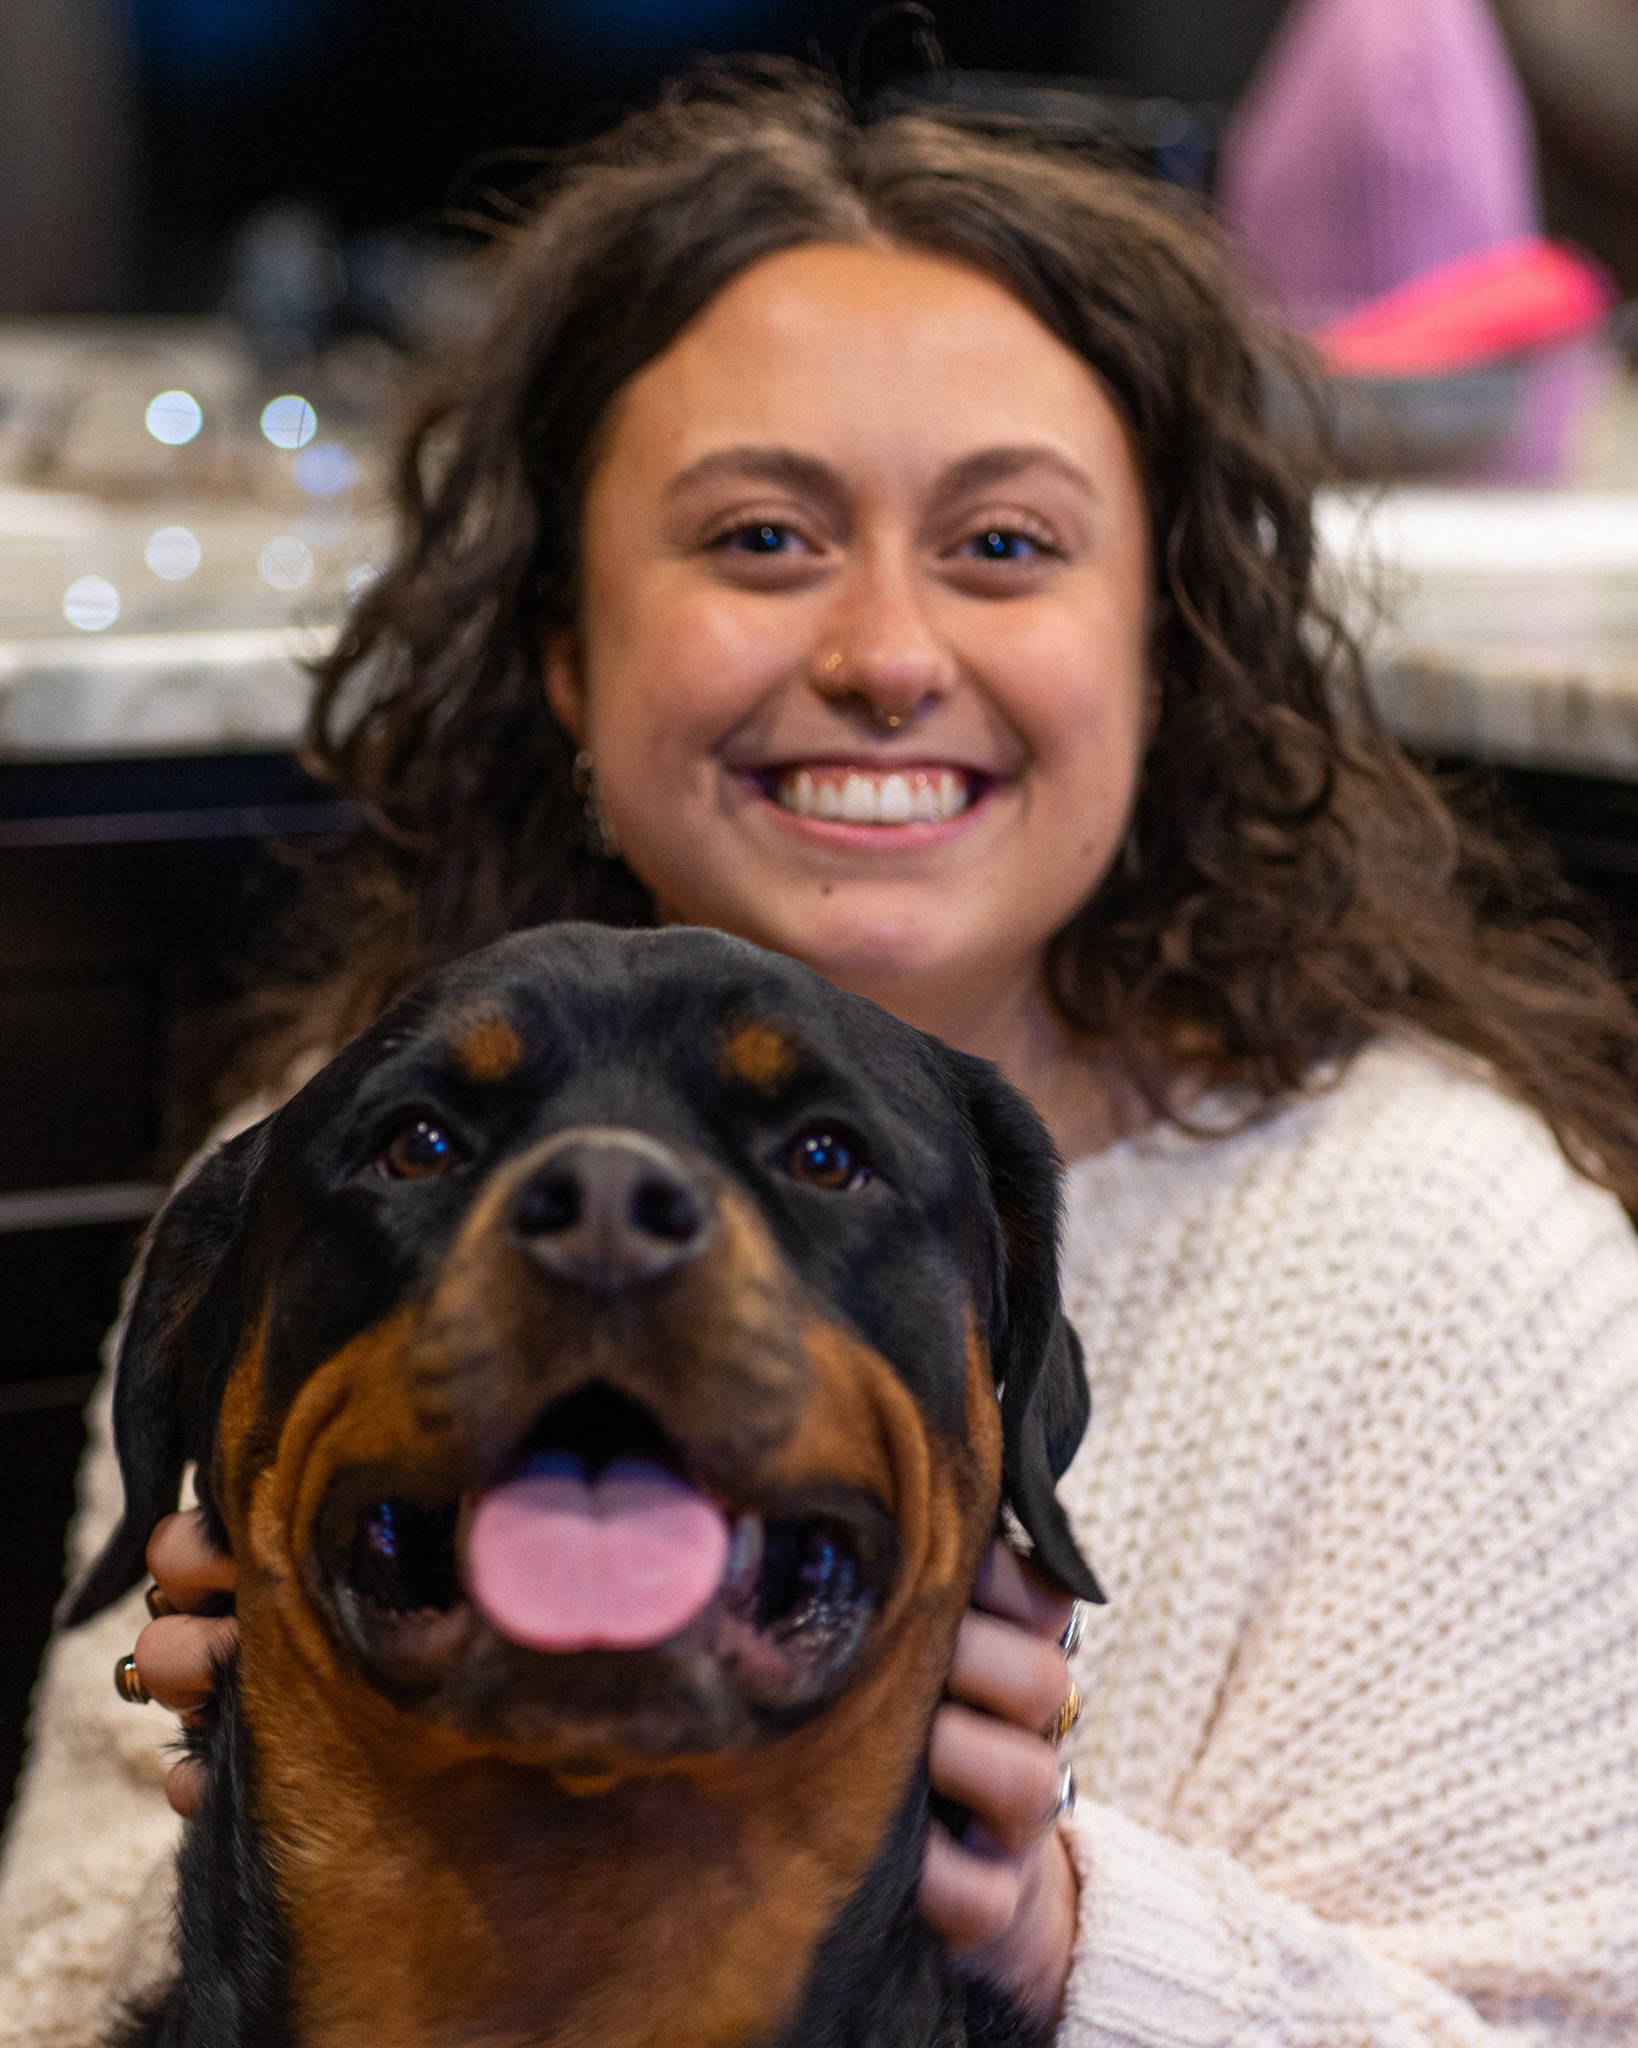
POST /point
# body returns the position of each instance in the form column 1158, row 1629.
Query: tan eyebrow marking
column 487, row 1046
column 759, row 1055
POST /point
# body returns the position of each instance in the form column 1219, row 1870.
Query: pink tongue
column 559, row 1562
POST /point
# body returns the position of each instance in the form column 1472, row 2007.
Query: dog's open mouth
column 594, row 1546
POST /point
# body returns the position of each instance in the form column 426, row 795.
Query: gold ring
column 1066, row 1717
column 128, row 1683
column 156, row 1603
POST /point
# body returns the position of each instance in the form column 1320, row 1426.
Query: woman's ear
column 565, row 685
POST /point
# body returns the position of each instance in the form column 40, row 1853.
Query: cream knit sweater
column 1359, row 1764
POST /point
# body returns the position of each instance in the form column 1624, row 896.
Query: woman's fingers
column 1009, row 1585
column 176, row 1658
column 1007, row 1778
column 186, row 1569
column 969, row 1901
column 1007, row 1672
column 176, row 1655
column 1003, row 1899
column 185, row 1785
column 1008, row 1919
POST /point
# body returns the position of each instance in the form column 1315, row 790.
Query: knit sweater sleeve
column 1363, row 1747
column 87, row 1875
column 85, row 1883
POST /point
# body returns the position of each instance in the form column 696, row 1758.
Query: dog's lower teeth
column 744, row 1553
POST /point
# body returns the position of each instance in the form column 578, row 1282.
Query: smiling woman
column 933, row 604
column 924, row 584
column 887, row 542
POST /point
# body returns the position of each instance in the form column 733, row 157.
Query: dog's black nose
column 605, row 1209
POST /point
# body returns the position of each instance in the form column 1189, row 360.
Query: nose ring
column 883, row 720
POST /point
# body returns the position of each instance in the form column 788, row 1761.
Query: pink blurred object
column 1525, row 294
column 1381, row 160
column 1379, row 139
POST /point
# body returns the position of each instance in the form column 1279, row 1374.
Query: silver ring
column 1070, row 1641
column 1066, row 1795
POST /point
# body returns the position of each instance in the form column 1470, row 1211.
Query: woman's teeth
column 900, row 796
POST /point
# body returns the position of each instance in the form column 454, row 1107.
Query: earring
column 600, row 837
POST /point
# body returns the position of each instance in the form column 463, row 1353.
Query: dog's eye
column 826, row 1157
column 416, row 1150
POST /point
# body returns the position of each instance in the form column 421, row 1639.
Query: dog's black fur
column 973, row 1198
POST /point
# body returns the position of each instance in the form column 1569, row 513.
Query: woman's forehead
column 861, row 354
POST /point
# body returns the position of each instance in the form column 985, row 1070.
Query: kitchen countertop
column 1508, row 626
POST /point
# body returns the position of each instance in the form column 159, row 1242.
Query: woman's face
column 861, row 656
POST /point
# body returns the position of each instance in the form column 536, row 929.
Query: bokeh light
column 325, row 469
column 290, row 421
column 174, row 417
column 91, row 603
column 173, row 552
column 287, row 563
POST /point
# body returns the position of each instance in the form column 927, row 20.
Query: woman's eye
column 417, row 1150
column 1006, row 544
column 759, row 537
column 828, row 1159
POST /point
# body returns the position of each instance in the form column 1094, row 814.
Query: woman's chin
column 907, row 957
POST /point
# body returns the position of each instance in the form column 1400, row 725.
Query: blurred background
column 226, row 228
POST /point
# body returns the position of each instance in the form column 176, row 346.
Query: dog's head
column 613, row 1351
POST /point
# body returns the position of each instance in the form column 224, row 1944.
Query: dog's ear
column 181, row 1332
column 1036, row 1356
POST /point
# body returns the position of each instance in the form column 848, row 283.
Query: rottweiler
column 606, row 1375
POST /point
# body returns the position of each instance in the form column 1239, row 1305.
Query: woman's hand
column 176, row 1653
column 1004, row 1899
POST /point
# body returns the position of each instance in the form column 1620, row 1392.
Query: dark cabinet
column 133, row 896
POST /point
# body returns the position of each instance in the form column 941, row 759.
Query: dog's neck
column 481, row 1904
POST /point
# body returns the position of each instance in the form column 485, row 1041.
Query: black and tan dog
column 594, row 1374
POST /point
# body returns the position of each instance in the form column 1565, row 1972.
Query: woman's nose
column 882, row 648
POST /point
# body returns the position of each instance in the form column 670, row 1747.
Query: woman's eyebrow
column 807, row 474
column 999, row 465
column 762, row 465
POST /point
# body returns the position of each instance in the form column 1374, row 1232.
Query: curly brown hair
column 1292, row 885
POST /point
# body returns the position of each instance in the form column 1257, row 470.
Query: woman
column 874, row 542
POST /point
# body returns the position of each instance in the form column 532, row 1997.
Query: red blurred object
column 1520, row 295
